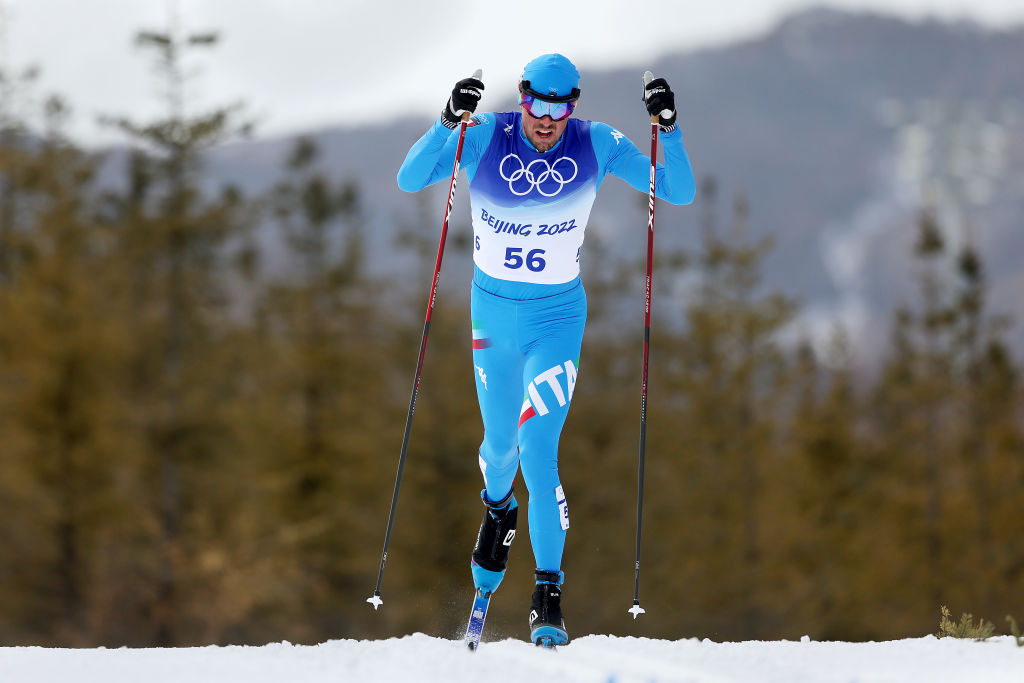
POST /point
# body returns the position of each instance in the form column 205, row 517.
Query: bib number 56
column 534, row 259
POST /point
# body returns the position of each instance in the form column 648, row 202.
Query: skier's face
column 544, row 132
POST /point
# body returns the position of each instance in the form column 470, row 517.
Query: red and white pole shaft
column 636, row 610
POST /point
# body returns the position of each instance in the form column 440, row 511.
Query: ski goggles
column 538, row 106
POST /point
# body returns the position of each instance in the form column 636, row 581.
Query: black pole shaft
column 375, row 599
column 647, row 345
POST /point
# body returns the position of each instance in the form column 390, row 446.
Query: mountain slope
column 836, row 126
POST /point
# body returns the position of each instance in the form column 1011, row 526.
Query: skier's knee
column 492, row 458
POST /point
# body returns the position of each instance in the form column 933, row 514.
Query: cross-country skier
column 534, row 175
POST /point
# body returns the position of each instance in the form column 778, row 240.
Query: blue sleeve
column 432, row 158
column 674, row 181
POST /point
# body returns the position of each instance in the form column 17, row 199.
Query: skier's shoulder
column 605, row 138
column 601, row 130
column 484, row 119
column 481, row 127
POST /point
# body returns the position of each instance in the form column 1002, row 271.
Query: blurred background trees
column 196, row 448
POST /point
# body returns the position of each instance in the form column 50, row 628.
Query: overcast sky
column 309, row 63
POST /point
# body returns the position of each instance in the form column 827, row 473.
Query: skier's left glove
column 465, row 96
column 661, row 102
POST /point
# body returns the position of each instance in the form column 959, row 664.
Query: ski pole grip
column 478, row 75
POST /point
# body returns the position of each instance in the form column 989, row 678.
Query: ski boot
column 547, row 629
column 497, row 531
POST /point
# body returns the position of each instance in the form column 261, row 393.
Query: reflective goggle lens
column 538, row 108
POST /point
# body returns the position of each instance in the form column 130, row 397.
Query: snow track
column 603, row 659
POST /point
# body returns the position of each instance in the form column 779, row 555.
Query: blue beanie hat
column 552, row 75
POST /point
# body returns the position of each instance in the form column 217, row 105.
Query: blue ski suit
column 528, row 305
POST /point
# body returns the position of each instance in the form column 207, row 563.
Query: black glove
column 659, row 97
column 465, row 96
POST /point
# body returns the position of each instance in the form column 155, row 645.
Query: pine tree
column 729, row 378
column 937, row 419
column 327, row 405
column 986, row 379
column 828, row 536
column 175, row 238
column 56, row 406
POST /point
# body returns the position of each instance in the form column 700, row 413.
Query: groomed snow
column 603, row 659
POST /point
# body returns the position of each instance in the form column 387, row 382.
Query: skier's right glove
column 661, row 102
column 465, row 96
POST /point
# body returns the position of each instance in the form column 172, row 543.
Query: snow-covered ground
column 603, row 659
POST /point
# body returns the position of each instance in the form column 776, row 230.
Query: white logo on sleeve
column 617, row 135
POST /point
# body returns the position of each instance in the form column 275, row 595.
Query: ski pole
column 636, row 610
column 375, row 600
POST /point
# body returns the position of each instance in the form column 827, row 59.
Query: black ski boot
column 547, row 628
column 497, row 531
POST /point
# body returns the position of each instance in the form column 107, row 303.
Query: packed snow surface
column 604, row 659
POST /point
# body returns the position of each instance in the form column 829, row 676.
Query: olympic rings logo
column 537, row 173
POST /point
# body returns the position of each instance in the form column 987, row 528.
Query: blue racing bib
column 530, row 208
